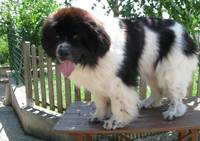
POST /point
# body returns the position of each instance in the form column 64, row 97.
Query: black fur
column 166, row 40
column 190, row 47
column 135, row 44
column 88, row 41
column 133, row 50
column 166, row 36
column 155, row 24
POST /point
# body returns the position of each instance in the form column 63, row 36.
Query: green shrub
column 27, row 16
column 4, row 52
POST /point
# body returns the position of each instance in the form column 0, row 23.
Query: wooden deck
column 75, row 122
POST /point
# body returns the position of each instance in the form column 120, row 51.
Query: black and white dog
column 105, row 55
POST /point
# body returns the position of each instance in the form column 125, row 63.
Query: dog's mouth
column 67, row 67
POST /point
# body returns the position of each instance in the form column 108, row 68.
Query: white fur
column 103, row 82
column 172, row 76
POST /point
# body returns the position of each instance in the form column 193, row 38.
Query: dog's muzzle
column 63, row 52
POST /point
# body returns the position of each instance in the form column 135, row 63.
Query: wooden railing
column 49, row 89
column 45, row 84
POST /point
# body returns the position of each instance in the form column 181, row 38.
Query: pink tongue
column 67, row 67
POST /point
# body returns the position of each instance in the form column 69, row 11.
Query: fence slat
column 50, row 83
column 142, row 89
column 59, row 89
column 42, row 77
column 198, row 83
column 77, row 94
column 88, row 96
column 67, row 92
column 35, row 74
column 27, row 72
column 190, row 90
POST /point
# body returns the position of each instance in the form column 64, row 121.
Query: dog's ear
column 98, row 37
column 48, row 40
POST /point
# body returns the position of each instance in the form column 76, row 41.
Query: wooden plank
column 42, row 77
column 50, row 84
column 88, row 137
column 182, row 134
column 194, row 134
column 88, row 96
column 77, row 94
column 67, row 92
column 142, row 89
column 75, row 120
column 27, row 72
column 198, row 85
column 59, row 89
column 189, row 93
column 35, row 74
column 185, row 137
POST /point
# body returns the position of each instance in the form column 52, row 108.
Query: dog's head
column 74, row 35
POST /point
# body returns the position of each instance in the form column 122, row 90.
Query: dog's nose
column 63, row 51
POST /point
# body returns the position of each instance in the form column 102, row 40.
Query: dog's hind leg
column 154, row 98
column 176, row 107
column 177, row 83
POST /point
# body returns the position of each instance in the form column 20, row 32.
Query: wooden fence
column 45, row 84
column 49, row 89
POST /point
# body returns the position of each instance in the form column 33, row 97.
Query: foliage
column 67, row 2
column 184, row 11
column 4, row 55
column 125, row 8
column 27, row 16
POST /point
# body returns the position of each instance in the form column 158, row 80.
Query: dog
column 106, row 55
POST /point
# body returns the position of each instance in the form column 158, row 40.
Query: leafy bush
column 27, row 16
column 4, row 53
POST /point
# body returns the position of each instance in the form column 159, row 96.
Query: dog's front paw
column 112, row 124
column 174, row 111
column 169, row 115
column 94, row 119
column 144, row 104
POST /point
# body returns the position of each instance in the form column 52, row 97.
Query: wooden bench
column 74, row 122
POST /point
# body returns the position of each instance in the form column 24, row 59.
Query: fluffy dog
column 105, row 55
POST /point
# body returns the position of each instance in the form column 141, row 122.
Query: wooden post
column 190, row 88
column 198, row 87
column 194, row 133
column 67, row 92
column 142, row 89
column 27, row 73
column 77, row 94
column 182, row 134
column 88, row 137
column 50, row 84
column 88, row 96
column 59, row 89
column 42, row 77
column 35, row 74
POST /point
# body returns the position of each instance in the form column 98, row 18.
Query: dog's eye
column 75, row 37
column 57, row 36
